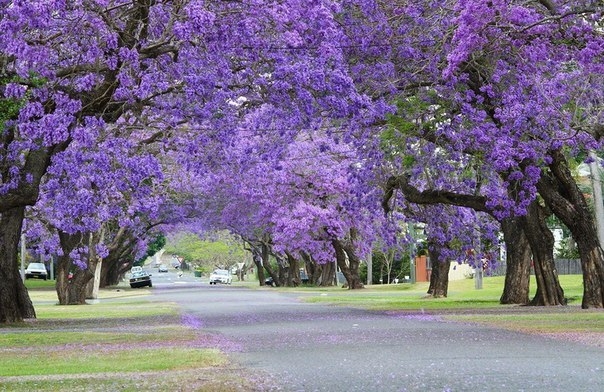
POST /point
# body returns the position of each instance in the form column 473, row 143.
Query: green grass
column 105, row 310
column 554, row 320
column 461, row 295
column 132, row 358
column 122, row 343
column 467, row 304
column 39, row 284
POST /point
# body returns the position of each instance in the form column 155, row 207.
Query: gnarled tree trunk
column 562, row 195
column 267, row 266
column 518, row 263
column 15, row 304
column 293, row 272
column 349, row 263
column 549, row 292
column 439, row 279
column 71, row 291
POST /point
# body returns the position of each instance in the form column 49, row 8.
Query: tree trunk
column 293, row 273
column 71, row 291
column 541, row 239
column 565, row 199
column 257, row 259
column 267, row 265
column 518, row 264
column 95, row 264
column 313, row 270
column 349, row 264
column 439, row 279
column 15, row 304
column 327, row 274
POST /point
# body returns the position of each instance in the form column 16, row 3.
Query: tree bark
column 257, row 259
column 518, row 264
column 439, row 279
column 565, row 199
column 313, row 270
column 293, row 272
column 349, row 263
column 267, row 266
column 15, row 304
column 71, row 291
column 327, row 274
column 549, row 292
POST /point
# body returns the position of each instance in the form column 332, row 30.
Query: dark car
column 140, row 279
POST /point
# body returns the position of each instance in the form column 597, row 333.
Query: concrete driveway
column 314, row 347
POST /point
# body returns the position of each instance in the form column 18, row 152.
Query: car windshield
column 139, row 273
column 221, row 272
column 36, row 266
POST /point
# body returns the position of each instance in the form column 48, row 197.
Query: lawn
column 405, row 296
column 467, row 304
column 124, row 342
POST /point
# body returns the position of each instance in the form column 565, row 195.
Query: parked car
column 221, row 276
column 140, row 279
column 162, row 268
column 36, row 270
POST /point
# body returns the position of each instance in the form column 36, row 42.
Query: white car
column 135, row 269
column 36, row 270
column 221, row 276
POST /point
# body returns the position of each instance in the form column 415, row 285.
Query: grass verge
column 467, row 304
column 125, row 343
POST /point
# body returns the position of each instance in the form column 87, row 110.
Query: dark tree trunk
column 313, row 270
column 549, row 292
column 283, row 271
column 565, row 199
column 439, row 279
column 257, row 259
column 349, row 263
column 267, row 266
column 71, row 291
column 327, row 274
column 518, row 263
column 15, row 304
column 293, row 272
column 119, row 260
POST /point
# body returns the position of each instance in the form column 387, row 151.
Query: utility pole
column 594, row 168
column 412, row 252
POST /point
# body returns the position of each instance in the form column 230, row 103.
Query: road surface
column 316, row 347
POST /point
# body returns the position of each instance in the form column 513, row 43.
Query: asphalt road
column 314, row 347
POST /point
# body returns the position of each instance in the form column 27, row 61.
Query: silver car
column 36, row 270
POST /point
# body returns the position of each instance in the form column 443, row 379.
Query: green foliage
column 9, row 107
column 399, row 269
column 152, row 248
column 220, row 249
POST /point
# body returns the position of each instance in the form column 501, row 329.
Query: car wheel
column 150, row 284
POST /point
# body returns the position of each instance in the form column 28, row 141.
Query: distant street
column 313, row 347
